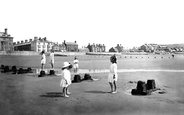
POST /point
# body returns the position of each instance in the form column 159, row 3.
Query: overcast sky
column 110, row 22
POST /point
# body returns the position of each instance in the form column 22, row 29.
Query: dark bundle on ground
column 42, row 74
column 2, row 67
column 52, row 72
column 29, row 70
column 143, row 88
column 14, row 69
column 6, row 69
column 87, row 77
column 77, row 79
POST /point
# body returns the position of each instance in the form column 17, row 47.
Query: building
column 83, row 49
column 119, row 48
column 149, row 47
column 38, row 44
column 6, row 41
column 96, row 48
column 59, row 47
column 113, row 49
column 71, row 46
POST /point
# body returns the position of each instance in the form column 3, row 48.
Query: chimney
column 35, row 38
column 26, row 41
column 30, row 40
column 22, row 42
column 14, row 43
column 18, row 42
column 64, row 41
column 75, row 42
column 5, row 31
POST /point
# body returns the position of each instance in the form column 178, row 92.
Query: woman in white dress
column 113, row 76
column 66, row 78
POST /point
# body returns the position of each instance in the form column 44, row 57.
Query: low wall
column 68, row 53
column 19, row 53
column 103, row 53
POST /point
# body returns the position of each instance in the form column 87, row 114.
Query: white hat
column 66, row 64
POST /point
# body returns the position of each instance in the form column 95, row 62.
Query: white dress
column 43, row 60
column 65, row 78
column 76, row 64
column 113, row 76
column 52, row 57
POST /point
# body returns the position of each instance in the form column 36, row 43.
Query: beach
column 28, row 94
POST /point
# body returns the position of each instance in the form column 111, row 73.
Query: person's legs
column 111, row 86
column 76, row 70
column 42, row 66
column 52, row 65
column 67, row 91
column 115, row 87
column 63, row 90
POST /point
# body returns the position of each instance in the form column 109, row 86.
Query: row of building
column 157, row 48
column 38, row 44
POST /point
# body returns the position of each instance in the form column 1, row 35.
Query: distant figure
column 172, row 55
column 113, row 76
column 66, row 78
column 43, row 60
column 75, row 64
column 52, row 59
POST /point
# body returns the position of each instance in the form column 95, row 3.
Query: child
column 75, row 65
column 113, row 76
column 52, row 59
column 66, row 78
column 43, row 60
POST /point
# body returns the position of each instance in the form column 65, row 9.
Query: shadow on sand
column 98, row 92
column 52, row 94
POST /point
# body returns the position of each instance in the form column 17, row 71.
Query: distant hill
column 173, row 45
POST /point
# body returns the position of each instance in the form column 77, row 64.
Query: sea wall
column 68, row 53
column 103, row 53
column 37, row 53
column 19, row 53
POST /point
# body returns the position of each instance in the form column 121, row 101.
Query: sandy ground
column 29, row 95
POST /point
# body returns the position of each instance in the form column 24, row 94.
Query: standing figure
column 113, row 76
column 66, row 78
column 172, row 55
column 43, row 60
column 75, row 64
column 52, row 59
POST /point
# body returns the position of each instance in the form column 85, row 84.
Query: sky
column 130, row 23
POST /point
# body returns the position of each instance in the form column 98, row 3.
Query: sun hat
column 66, row 64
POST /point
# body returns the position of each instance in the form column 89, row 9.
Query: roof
column 71, row 43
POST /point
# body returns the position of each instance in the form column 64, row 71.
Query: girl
column 66, row 78
column 75, row 65
column 52, row 59
column 43, row 60
column 113, row 76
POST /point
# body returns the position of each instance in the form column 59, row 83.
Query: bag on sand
column 42, row 74
column 137, row 92
column 151, row 84
column 52, row 72
column 141, row 86
column 77, row 78
column 87, row 77
column 141, row 89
